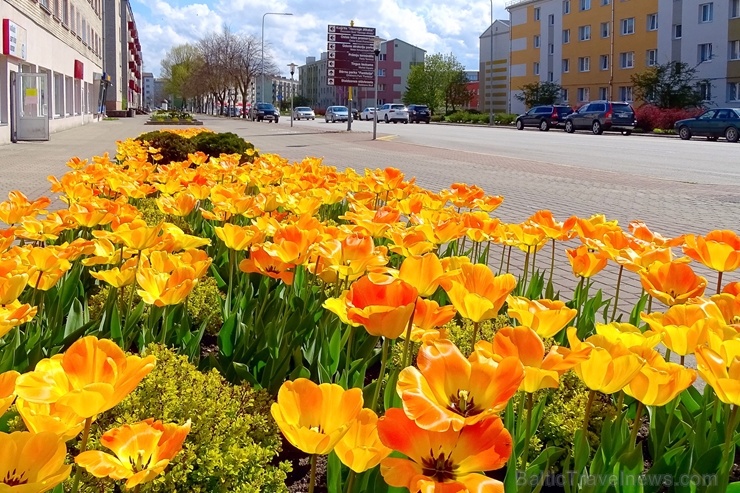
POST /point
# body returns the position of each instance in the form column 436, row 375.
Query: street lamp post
column 292, row 90
column 262, row 63
column 490, row 115
column 376, row 50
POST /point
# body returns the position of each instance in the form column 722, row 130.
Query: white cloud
column 436, row 26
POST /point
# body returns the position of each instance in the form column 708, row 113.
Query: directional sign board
column 351, row 58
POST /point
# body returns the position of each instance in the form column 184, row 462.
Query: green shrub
column 504, row 118
column 233, row 441
column 204, row 303
column 437, row 118
column 171, row 146
column 215, row 144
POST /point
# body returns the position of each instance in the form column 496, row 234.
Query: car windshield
column 303, row 108
column 340, row 108
column 397, row 107
column 264, row 106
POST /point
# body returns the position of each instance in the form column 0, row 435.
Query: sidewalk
column 26, row 165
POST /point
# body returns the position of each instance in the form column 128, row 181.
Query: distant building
column 147, row 89
column 494, row 68
column 123, row 60
column 394, row 64
column 474, row 88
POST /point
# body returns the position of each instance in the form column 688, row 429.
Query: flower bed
column 172, row 117
column 362, row 304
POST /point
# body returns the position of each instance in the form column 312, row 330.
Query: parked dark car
column 601, row 116
column 419, row 113
column 265, row 111
column 544, row 117
column 712, row 124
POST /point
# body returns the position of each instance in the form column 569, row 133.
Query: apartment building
column 123, row 60
column 50, row 66
column 494, row 49
column 590, row 47
column 394, row 65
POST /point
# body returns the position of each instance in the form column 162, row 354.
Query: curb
column 512, row 127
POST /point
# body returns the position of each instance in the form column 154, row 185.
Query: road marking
column 387, row 137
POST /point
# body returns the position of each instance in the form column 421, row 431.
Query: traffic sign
column 351, row 58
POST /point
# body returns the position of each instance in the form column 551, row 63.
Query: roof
column 503, row 25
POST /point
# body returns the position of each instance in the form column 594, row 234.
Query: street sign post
column 351, row 57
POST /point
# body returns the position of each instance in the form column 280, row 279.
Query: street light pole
column 490, row 116
column 292, row 90
column 376, row 50
column 262, row 63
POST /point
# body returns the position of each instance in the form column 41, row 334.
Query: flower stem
column 616, row 295
column 552, row 261
column 83, row 447
column 349, row 347
column 350, row 481
column 407, row 341
column 526, row 272
column 728, row 456
column 503, row 254
column 312, row 481
column 527, row 431
column 719, row 282
column 133, row 290
column 587, row 413
column 164, row 325
column 383, row 362
column 475, row 336
column 637, row 423
column 671, row 407
column 650, row 304
column 508, row 260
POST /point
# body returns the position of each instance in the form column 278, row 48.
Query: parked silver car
column 303, row 112
column 336, row 114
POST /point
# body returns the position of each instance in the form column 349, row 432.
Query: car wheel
column 626, row 132
column 684, row 133
column 277, row 120
column 596, row 128
column 731, row 134
column 519, row 125
column 427, row 122
column 326, row 120
column 332, row 119
column 406, row 121
column 386, row 119
column 544, row 126
column 569, row 127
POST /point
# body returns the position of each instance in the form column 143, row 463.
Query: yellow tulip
column 721, row 374
column 476, row 293
column 55, row 418
column 684, row 327
column 15, row 314
column 31, row 462
column 628, row 334
column 361, row 449
column 658, row 382
column 422, row 272
column 239, row 237
column 7, row 390
column 546, row 317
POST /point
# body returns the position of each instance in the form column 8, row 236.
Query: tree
column 457, row 93
column 436, row 82
column 178, row 67
column 670, row 85
column 538, row 93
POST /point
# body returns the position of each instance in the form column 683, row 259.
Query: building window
column 604, row 62
column 735, row 50
column 65, row 12
column 603, row 93
column 627, row 59
column 566, row 65
column 652, row 22
column 706, row 12
column 584, row 33
column 705, row 89
column 45, row 4
column 383, row 57
column 551, row 19
column 625, row 93
column 566, row 36
column 733, row 91
column 58, row 95
column 705, row 52
column 604, row 29
column 734, row 8
column 585, row 4
column 537, row 41
column 536, row 13
column 652, row 58
column 72, row 17
column 677, row 31
column 551, row 49
column 628, row 26
column 584, row 94
column 536, row 68
column 566, row 6
column 605, row 2
column 584, row 64
column 564, row 95
column 550, row 76
column 381, row 72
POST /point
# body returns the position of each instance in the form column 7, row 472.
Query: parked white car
column 303, row 112
column 393, row 112
column 367, row 113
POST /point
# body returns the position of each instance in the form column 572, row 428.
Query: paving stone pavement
column 669, row 207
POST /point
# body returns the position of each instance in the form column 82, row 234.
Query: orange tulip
column 7, row 390
column 360, row 448
column 629, row 335
column 720, row 373
column 142, row 451
column 732, row 288
column 260, row 261
column 18, row 206
column 422, row 272
column 540, row 371
column 410, row 241
column 91, row 377
column 181, row 204
column 164, row 281
column 475, row 292
column 463, row 195
column 729, row 305
column 719, row 250
column 45, row 267
column 672, row 283
column 595, row 227
column 684, row 327
column 137, row 235
column 640, row 231
column 382, row 304
column 446, row 462
column 609, row 367
column 31, row 462
column 553, row 230
column 174, row 239
column 92, row 213
column 451, row 392
column 526, row 237
column 54, row 418
column 489, row 203
column 314, row 418
column 428, row 314
column 659, row 382
column 545, row 317
column 118, row 277
column 584, row 262
column 291, row 244
column 239, row 237
column 15, row 314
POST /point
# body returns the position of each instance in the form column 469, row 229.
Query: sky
column 437, row 26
